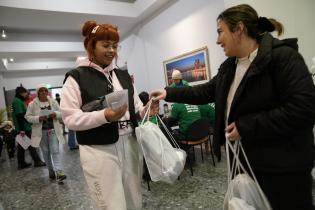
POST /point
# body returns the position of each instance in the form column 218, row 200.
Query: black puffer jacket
column 274, row 106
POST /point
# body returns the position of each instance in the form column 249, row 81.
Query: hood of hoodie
column 86, row 62
column 292, row 43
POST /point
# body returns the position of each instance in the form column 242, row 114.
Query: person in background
column 22, row 127
column 8, row 133
column 177, row 79
column 72, row 140
column 1, row 141
column 166, row 110
column 208, row 111
column 109, row 153
column 183, row 115
column 43, row 112
column 57, row 98
column 264, row 96
column 28, row 98
column 144, row 97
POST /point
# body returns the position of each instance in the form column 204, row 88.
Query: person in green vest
column 184, row 115
column 178, row 80
column 23, row 128
column 207, row 110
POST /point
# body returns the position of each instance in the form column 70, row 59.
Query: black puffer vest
column 93, row 84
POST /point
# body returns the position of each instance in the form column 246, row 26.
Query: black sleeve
column 199, row 94
column 14, row 133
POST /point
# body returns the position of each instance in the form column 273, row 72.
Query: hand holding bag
column 165, row 163
column 243, row 193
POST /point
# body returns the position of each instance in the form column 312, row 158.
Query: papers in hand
column 117, row 99
column 45, row 112
column 24, row 141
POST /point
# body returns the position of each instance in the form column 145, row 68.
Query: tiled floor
column 31, row 189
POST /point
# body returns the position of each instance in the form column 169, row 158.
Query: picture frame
column 194, row 67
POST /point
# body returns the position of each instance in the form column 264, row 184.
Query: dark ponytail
column 255, row 26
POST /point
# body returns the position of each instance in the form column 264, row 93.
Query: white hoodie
column 71, row 102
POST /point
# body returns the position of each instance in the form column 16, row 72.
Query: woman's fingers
column 157, row 95
column 115, row 114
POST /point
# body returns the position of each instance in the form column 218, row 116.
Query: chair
column 197, row 133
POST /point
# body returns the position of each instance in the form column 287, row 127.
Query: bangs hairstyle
column 104, row 32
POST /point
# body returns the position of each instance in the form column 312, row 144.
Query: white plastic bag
column 238, row 204
column 165, row 163
column 117, row 99
column 243, row 193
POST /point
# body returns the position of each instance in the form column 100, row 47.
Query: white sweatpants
column 113, row 173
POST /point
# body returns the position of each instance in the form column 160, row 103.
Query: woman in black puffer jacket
column 264, row 95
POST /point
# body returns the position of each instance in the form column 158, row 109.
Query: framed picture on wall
column 194, row 67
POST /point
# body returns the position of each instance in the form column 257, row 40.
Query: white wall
column 29, row 80
column 188, row 25
column 133, row 54
column 297, row 16
column 185, row 26
column 2, row 102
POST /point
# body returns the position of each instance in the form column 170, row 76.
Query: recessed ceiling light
column 11, row 59
column 3, row 34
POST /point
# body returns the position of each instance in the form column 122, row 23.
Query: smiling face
column 105, row 52
column 227, row 39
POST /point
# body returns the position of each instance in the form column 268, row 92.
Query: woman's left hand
column 231, row 132
column 52, row 115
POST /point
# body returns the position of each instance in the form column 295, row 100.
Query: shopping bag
column 244, row 192
column 239, row 204
column 24, row 141
column 165, row 163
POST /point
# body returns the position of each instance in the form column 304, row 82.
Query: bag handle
column 235, row 150
column 146, row 116
column 232, row 169
column 168, row 132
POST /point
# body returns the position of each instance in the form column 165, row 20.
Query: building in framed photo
column 194, row 67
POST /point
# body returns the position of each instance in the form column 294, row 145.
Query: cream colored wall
column 297, row 16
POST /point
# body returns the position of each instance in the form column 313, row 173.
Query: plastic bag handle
column 146, row 116
column 168, row 132
column 234, row 148
column 238, row 146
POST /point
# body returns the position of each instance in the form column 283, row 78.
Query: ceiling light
column 11, row 59
column 3, row 34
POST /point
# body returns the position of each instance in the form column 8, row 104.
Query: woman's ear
column 239, row 29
